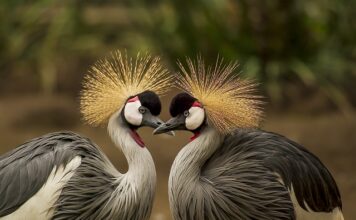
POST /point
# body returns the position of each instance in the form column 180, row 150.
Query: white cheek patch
column 195, row 118
column 131, row 113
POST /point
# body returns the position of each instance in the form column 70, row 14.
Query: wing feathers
column 24, row 170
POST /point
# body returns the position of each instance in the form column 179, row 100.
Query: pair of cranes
column 229, row 169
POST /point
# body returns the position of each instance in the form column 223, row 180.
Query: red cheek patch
column 196, row 134
column 134, row 99
column 197, row 104
column 137, row 138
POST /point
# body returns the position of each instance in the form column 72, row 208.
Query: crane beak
column 176, row 123
column 153, row 122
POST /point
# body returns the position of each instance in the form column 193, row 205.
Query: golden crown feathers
column 229, row 101
column 110, row 81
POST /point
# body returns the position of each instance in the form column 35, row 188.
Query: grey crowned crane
column 232, row 170
column 66, row 176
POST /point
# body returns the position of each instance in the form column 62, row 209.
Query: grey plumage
column 87, row 195
column 92, row 192
column 24, row 170
column 312, row 183
column 247, row 175
column 229, row 172
column 66, row 176
column 92, row 189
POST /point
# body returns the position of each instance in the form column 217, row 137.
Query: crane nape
column 66, row 176
column 233, row 170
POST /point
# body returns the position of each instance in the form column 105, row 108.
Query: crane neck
column 193, row 156
column 140, row 162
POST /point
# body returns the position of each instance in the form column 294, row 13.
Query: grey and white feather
column 66, row 176
column 94, row 189
column 229, row 183
column 250, row 174
column 245, row 174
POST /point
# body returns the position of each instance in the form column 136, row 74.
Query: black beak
column 176, row 123
column 153, row 122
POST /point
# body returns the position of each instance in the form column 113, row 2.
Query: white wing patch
column 40, row 205
column 195, row 118
column 131, row 113
column 303, row 214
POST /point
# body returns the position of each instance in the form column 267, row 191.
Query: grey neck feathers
column 141, row 175
column 193, row 156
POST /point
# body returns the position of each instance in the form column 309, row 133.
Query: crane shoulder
column 241, row 187
column 297, row 168
column 25, row 169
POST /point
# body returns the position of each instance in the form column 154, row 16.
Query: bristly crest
column 112, row 80
column 229, row 101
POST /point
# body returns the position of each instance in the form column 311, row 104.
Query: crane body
column 240, row 176
column 233, row 170
column 65, row 176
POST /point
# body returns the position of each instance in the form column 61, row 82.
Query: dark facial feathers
column 151, row 101
column 180, row 103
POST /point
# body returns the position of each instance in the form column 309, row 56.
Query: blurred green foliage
column 46, row 46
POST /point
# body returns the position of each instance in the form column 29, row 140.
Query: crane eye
column 142, row 110
column 186, row 113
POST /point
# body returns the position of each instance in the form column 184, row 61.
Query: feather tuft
column 230, row 102
column 110, row 81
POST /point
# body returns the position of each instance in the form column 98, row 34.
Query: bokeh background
column 302, row 52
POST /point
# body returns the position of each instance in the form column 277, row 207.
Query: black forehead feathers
column 180, row 103
column 151, row 101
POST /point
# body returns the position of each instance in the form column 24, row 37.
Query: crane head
column 142, row 110
column 226, row 100
column 188, row 114
column 118, row 78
